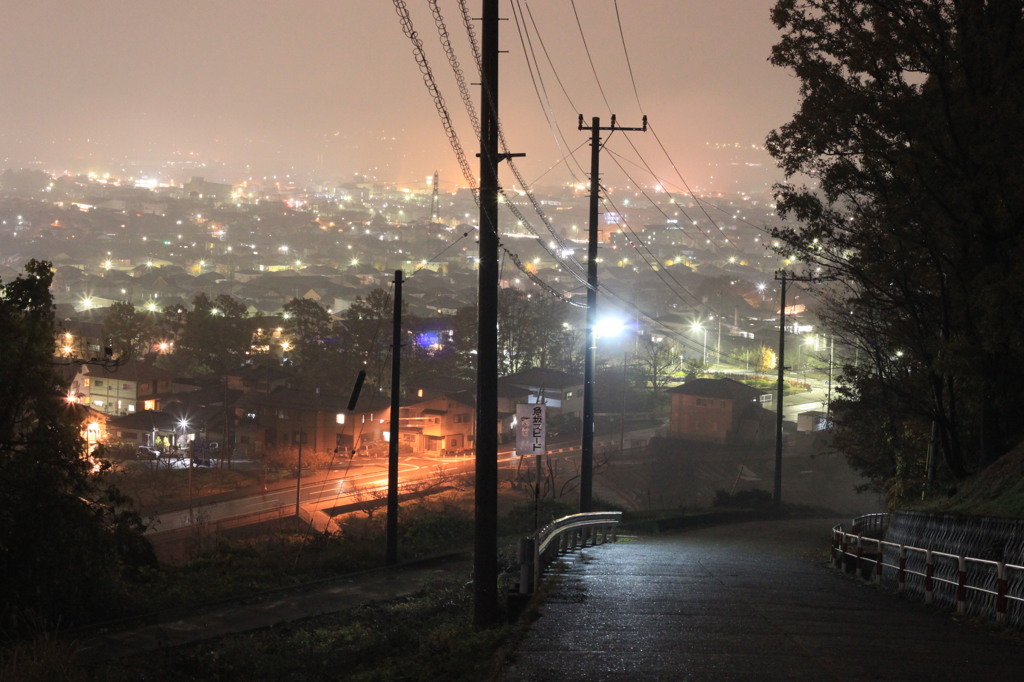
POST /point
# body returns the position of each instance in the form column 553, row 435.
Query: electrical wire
column 439, row 103
column 625, row 52
column 590, row 57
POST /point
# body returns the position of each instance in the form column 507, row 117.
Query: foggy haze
column 327, row 90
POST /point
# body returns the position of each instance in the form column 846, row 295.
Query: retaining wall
column 980, row 537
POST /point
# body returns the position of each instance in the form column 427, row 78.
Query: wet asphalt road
column 750, row 601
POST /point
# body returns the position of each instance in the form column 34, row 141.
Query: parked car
column 146, row 452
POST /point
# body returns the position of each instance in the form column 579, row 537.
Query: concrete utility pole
column 781, row 275
column 485, row 546
column 587, row 445
column 396, row 354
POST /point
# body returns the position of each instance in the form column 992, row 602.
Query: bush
column 520, row 520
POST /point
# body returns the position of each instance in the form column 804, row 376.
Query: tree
column 319, row 353
column 909, row 128
column 24, row 181
column 464, row 338
column 368, row 322
column 530, row 330
column 214, row 337
column 656, row 362
column 766, row 359
column 66, row 542
column 126, row 330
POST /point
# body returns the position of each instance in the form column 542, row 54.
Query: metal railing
column 560, row 536
column 978, row 586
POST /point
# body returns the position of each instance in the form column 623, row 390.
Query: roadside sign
column 531, row 429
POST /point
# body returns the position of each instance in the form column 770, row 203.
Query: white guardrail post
column 929, row 573
column 1001, row 587
column 961, row 585
column 901, row 575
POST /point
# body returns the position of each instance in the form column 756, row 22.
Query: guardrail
column 979, row 586
column 561, row 536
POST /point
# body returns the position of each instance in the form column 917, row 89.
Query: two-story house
column 319, row 421
column 125, row 388
column 718, row 411
column 439, row 426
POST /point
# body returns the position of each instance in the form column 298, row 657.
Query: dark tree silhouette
column 66, row 543
column 904, row 162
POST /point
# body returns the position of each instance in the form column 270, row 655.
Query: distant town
column 695, row 277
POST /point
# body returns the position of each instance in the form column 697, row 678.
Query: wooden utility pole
column 587, row 444
column 396, row 364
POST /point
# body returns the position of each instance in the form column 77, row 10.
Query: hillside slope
column 998, row 491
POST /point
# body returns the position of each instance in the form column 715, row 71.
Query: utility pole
column 781, row 276
column 587, row 445
column 485, row 544
column 298, row 475
column 396, row 354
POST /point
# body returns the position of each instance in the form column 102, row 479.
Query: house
column 718, row 411
column 561, row 392
column 152, row 428
column 124, row 388
column 439, row 426
column 287, row 417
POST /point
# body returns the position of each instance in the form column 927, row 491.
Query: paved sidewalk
column 750, row 601
column 276, row 607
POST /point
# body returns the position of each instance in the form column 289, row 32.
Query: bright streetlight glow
column 609, row 326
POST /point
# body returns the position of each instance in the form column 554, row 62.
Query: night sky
column 330, row 89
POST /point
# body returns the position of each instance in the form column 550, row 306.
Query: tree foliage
column 530, row 331
column 656, row 361
column 213, row 337
column 65, row 542
column 127, row 331
column 321, row 353
column 904, row 173
column 368, row 321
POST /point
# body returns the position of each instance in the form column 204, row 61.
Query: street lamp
column 697, row 326
column 183, row 425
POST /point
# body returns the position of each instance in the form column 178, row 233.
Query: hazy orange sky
column 329, row 88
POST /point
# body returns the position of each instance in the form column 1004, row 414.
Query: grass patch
column 427, row 636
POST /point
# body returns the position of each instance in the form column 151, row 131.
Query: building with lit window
column 125, row 388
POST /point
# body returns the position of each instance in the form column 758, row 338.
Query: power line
column 590, row 58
